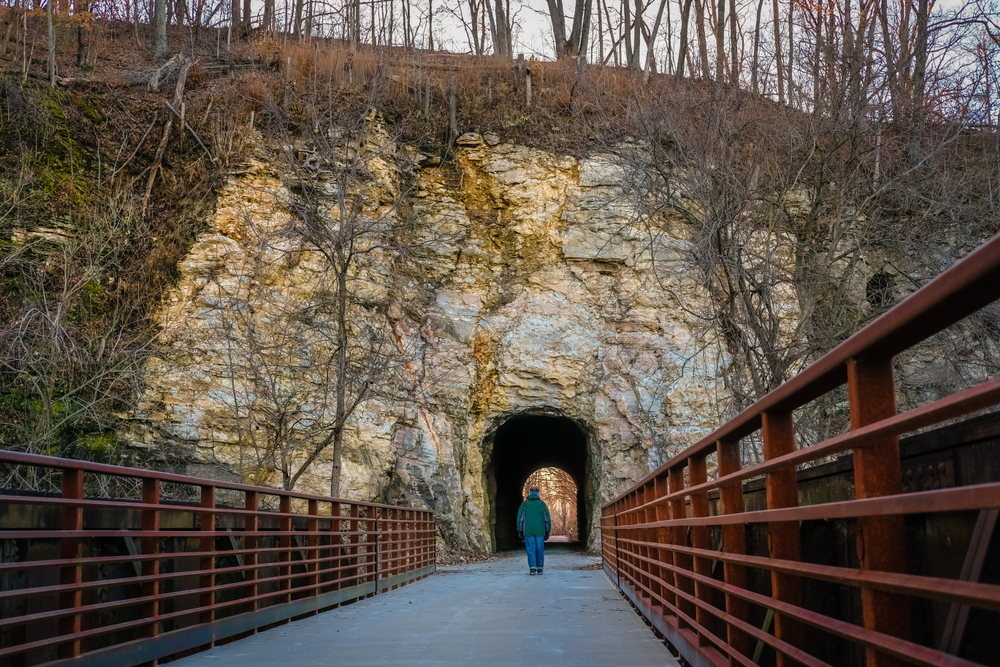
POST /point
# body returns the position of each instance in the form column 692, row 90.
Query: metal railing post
column 207, row 545
column 354, row 550
column 877, row 472
column 162, row 596
column 665, row 556
column 285, row 548
column 312, row 541
column 335, row 549
column 645, row 535
column 783, row 536
column 733, row 542
column 251, row 524
column 376, row 529
column 701, row 539
column 71, row 548
column 151, row 546
column 678, row 537
column 618, row 549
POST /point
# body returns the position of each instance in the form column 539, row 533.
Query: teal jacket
column 533, row 517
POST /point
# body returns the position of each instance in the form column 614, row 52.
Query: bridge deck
column 486, row 614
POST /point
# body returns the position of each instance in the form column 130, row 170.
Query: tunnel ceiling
column 526, row 443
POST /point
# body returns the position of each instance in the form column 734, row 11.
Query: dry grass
column 566, row 112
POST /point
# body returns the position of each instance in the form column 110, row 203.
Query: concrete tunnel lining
column 521, row 445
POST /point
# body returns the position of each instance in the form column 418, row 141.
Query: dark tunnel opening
column 522, row 445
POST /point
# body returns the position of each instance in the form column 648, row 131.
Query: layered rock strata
column 528, row 286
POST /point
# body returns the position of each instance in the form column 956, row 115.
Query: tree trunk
column 699, row 8
column 342, row 341
column 52, row 45
column 720, row 42
column 636, row 36
column 891, row 62
column 683, row 47
column 160, row 42
column 919, row 84
column 626, row 29
column 778, row 64
column 790, row 80
column 494, row 34
column 817, row 69
column 755, row 65
column 669, row 69
column 297, row 20
column 652, row 41
column 430, row 24
column 556, row 12
column 234, row 19
column 734, row 59
column 576, row 32
column 266, row 24
column 81, row 7
column 588, row 11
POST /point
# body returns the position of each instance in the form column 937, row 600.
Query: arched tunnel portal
column 521, row 445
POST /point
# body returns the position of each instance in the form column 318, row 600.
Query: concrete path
column 481, row 615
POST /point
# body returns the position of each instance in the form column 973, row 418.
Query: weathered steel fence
column 98, row 581
column 872, row 591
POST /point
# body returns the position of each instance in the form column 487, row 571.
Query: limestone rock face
column 527, row 289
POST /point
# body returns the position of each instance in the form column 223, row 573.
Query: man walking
column 533, row 526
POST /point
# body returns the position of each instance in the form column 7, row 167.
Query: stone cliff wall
column 530, row 295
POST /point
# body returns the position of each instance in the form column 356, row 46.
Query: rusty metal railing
column 729, row 586
column 98, row 581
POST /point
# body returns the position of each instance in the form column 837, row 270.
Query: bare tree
column 160, row 51
column 74, row 342
column 295, row 377
column 798, row 244
column 307, row 355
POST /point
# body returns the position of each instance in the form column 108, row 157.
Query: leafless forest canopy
column 893, row 57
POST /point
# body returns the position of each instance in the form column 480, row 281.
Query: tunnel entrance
column 523, row 445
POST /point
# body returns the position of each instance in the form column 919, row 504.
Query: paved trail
column 483, row 615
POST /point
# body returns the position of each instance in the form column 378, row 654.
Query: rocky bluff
column 541, row 323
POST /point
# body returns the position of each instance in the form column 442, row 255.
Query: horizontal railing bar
column 677, row 635
column 24, row 565
column 184, row 574
column 181, row 613
column 185, row 509
column 909, row 651
column 41, row 461
column 383, row 546
column 964, row 402
column 188, row 533
column 62, row 639
column 777, row 644
column 147, row 650
column 976, row 497
column 956, row 591
column 931, row 309
column 129, row 602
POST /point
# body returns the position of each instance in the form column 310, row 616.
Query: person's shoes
column 532, row 573
column 539, row 571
